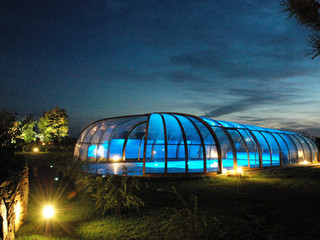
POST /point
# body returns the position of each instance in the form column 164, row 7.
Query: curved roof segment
column 175, row 143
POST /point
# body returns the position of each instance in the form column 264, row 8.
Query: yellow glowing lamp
column 48, row 212
column 116, row 158
column 36, row 150
column 300, row 154
column 239, row 170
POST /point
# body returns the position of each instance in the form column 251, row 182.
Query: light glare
column 48, row 212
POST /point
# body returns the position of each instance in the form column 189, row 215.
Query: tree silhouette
column 307, row 12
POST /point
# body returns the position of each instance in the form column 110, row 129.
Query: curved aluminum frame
column 94, row 128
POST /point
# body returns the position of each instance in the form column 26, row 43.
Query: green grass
column 275, row 205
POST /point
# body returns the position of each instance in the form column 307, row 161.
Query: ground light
column 36, row 150
column 304, row 162
column 239, row 170
column 48, row 212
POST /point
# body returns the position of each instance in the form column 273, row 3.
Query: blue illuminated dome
column 175, row 143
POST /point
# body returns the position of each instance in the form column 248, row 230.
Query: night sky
column 241, row 61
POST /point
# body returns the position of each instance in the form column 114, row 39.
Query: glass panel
column 225, row 124
column 210, row 146
column 299, row 147
column 265, row 151
column 155, row 150
column 83, row 151
column 313, row 150
column 87, row 138
column 176, row 148
column 135, row 144
column 238, row 125
column 275, row 151
column 252, row 148
column 76, row 152
column 120, row 133
column 102, row 150
column 284, row 149
column 84, row 133
column 228, row 124
column 250, row 127
column 306, row 148
column 292, row 148
column 241, row 150
column 211, row 122
column 226, row 149
column 195, row 161
column 98, row 134
column 112, row 126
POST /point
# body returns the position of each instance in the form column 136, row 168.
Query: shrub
column 113, row 193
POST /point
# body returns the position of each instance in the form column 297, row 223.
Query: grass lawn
column 276, row 205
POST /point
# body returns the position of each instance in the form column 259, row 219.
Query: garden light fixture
column 48, row 212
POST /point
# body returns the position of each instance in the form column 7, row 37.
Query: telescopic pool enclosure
column 175, row 143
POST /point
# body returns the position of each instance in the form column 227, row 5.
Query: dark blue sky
column 234, row 60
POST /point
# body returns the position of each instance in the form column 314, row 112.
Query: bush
column 113, row 193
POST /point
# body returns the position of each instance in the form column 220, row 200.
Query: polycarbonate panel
column 176, row 147
column 119, row 135
column 292, row 148
column 241, row 149
column 265, row 151
column 196, row 159
column 76, row 152
column 301, row 156
column 313, row 150
column 211, row 122
column 226, row 149
column 111, row 129
column 250, row 127
column 92, row 131
column 98, row 134
column 238, row 125
column 317, row 150
column 84, row 133
column 252, row 148
column 284, row 149
column 135, row 144
column 83, row 151
column 225, row 124
column 210, row 146
column 306, row 148
column 275, row 151
column 155, row 149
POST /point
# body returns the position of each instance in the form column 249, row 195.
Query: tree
column 307, row 12
column 10, row 129
column 28, row 133
column 53, row 125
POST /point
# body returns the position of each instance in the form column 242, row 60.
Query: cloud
column 249, row 99
column 238, row 62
